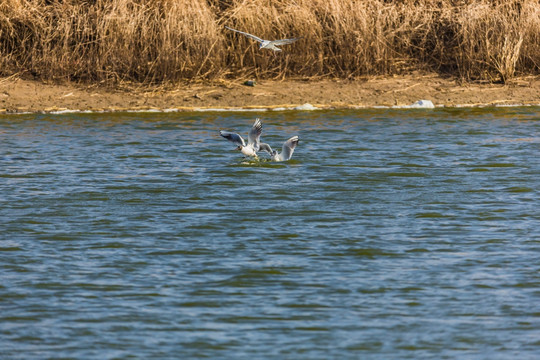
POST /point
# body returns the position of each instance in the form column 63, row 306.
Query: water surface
column 390, row 234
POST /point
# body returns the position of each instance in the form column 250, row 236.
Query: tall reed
column 111, row 40
column 157, row 41
column 489, row 39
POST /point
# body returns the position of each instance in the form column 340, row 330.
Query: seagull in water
column 266, row 44
column 254, row 143
column 286, row 151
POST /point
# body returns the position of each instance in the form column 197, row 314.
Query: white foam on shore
column 306, row 107
column 63, row 111
column 303, row 107
column 228, row 109
column 421, row 104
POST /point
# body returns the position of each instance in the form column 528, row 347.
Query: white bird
column 254, row 140
column 266, row 44
column 287, row 150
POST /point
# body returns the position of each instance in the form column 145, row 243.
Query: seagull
column 254, row 140
column 286, row 151
column 267, row 44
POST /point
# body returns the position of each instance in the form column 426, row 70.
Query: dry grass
column 111, row 41
column 161, row 41
column 490, row 38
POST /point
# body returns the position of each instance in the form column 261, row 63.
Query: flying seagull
column 286, row 151
column 254, row 143
column 267, row 44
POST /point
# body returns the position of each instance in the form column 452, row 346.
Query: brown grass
column 161, row 41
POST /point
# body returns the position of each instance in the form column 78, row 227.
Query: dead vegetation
column 165, row 41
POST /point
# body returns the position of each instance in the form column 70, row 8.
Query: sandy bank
column 18, row 95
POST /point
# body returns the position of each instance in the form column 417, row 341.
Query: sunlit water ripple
column 390, row 234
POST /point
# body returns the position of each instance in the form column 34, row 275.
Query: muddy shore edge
column 22, row 96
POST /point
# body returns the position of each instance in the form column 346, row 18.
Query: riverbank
column 19, row 95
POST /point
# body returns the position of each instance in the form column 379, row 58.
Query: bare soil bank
column 18, row 95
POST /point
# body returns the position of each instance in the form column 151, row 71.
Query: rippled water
column 390, row 234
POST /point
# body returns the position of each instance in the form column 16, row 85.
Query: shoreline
column 303, row 107
column 19, row 96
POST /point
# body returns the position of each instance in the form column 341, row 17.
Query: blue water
column 390, row 234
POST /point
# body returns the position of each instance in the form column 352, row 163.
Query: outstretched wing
column 254, row 135
column 265, row 147
column 233, row 137
column 288, row 148
column 284, row 41
column 246, row 34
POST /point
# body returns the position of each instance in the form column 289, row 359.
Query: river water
column 390, row 234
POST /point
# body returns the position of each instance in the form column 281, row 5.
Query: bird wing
column 246, row 34
column 288, row 148
column 254, row 135
column 284, row 41
column 265, row 147
column 233, row 137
